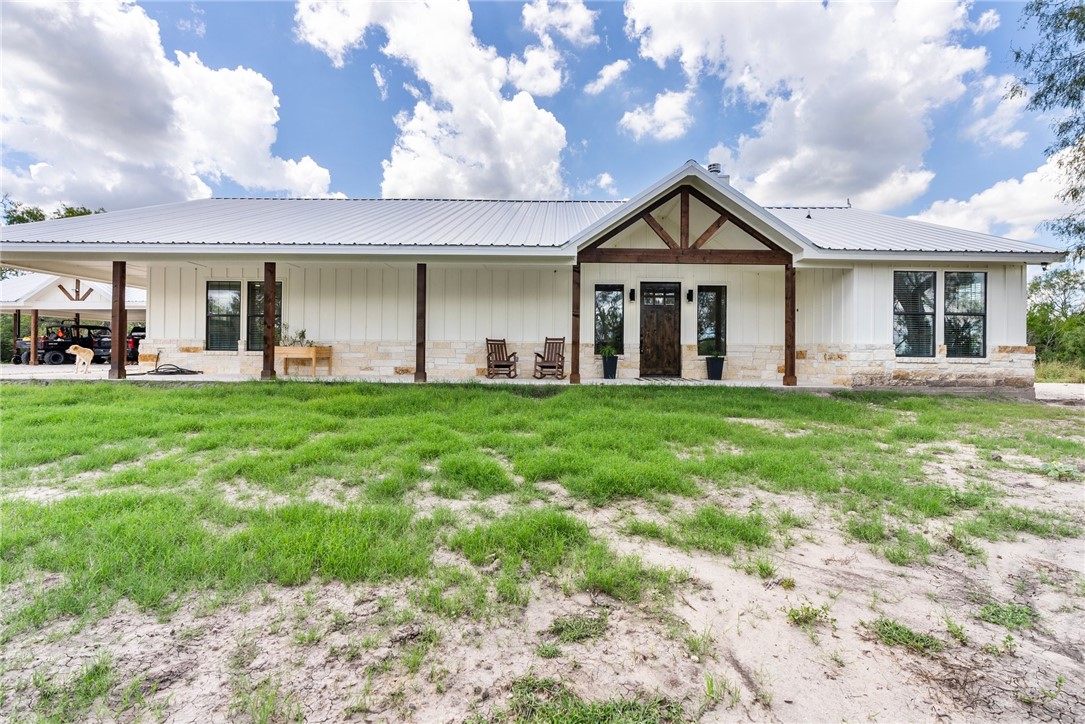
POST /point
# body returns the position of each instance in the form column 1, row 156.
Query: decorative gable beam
column 710, row 203
column 684, row 256
column 77, row 296
column 659, row 230
column 710, row 232
column 629, row 222
column 683, row 222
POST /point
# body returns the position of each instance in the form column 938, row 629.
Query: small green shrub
column 893, row 633
column 1010, row 615
column 578, row 627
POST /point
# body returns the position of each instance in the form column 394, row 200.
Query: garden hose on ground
column 166, row 369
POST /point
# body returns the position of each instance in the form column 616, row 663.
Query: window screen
column 913, row 313
column 966, row 314
column 223, row 315
column 609, row 317
column 712, row 320
column 255, row 314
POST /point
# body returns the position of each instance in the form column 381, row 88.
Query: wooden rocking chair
column 498, row 359
column 552, row 359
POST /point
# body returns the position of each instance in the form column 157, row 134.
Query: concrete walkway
column 1072, row 392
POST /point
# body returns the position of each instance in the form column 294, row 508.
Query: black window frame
column 256, row 344
column 220, row 285
column 720, row 309
column 932, row 315
column 618, row 340
column 953, row 350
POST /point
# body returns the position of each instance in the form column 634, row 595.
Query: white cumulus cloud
column 539, row 73
column 846, row 90
column 608, row 75
column 105, row 118
column 1013, row 207
column 463, row 136
column 665, row 119
column 605, row 182
column 569, row 18
column 987, row 22
column 996, row 114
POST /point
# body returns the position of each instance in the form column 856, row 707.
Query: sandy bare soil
column 329, row 652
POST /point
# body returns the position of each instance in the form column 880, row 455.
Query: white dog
column 83, row 357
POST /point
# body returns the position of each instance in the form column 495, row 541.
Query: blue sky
column 898, row 107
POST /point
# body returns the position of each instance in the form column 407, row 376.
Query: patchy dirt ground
column 724, row 647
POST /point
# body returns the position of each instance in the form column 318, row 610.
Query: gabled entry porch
column 682, row 278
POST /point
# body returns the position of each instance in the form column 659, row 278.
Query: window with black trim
column 913, row 313
column 966, row 314
column 610, row 317
column 712, row 320
column 223, row 315
column 255, row 314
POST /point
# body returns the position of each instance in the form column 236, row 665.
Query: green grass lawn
column 166, row 484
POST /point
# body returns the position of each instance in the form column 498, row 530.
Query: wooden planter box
column 304, row 354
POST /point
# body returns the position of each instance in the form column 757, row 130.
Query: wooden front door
column 660, row 322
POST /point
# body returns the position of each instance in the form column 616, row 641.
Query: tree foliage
column 1056, row 315
column 16, row 212
column 1054, row 79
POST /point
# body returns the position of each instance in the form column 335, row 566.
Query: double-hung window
column 966, row 314
column 255, row 314
column 913, row 313
column 223, row 316
column 712, row 320
column 609, row 317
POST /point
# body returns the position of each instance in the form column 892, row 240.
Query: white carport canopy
column 58, row 296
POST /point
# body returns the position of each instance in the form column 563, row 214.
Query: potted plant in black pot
column 610, row 361
column 715, row 366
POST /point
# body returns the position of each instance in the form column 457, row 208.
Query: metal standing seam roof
column 17, row 288
column 451, row 223
column 365, row 222
column 843, row 228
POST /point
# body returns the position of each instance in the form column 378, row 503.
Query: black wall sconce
column 632, row 294
column 689, row 295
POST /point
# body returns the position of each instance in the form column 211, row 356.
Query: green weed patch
column 154, row 548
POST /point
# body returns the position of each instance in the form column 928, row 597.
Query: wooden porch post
column 16, row 328
column 789, row 326
column 118, row 323
column 574, row 373
column 33, row 336
column 420, row 326
column 268, row 372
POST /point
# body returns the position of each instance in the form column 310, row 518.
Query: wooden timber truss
column 683, row 251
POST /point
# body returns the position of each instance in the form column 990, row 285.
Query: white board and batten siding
column 519, row 304
column 338, row 303
column 376, row 302
column 755, row 298
column 873, row 293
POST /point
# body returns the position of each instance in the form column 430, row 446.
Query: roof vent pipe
column 716, row 170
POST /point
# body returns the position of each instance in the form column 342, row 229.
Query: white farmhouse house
column 688, row 269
